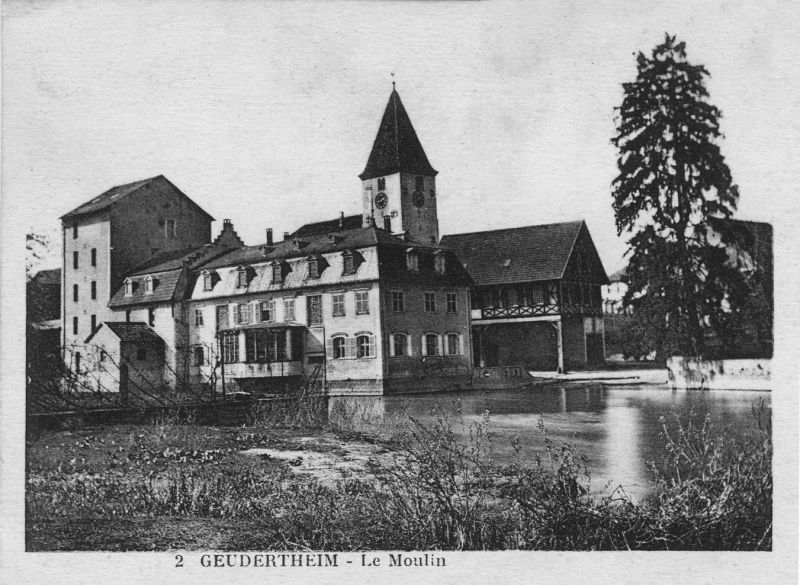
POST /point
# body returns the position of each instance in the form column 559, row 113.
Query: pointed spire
column 396, row 147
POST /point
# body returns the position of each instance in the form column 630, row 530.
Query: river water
column 616, row 427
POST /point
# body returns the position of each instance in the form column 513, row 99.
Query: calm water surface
column 616, row 427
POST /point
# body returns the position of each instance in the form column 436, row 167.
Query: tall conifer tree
column 671, row 198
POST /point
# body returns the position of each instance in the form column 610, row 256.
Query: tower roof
column 396, row 147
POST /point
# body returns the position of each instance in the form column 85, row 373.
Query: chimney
column 341, row 219
column 285, row 236
column 269, row 236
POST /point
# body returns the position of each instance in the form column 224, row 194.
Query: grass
column 175, row 485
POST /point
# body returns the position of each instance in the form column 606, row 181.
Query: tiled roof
column 396, row 147
column 164, row 290
column 315, row 244
column 134, row 331
column 322, row 227
column 115, row 194
column 523, row 254
column 166, row 261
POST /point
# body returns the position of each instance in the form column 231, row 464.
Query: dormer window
column 277, row 273
column 439, row 262
column 149, row 285
column 128, row 287
column 208, row 284
column 350, row 262
column 412, row 259
column 242, row 277
column 382, row 184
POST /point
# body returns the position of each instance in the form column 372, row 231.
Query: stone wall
column 688, row 373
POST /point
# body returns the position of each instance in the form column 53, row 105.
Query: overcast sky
column 265, row 113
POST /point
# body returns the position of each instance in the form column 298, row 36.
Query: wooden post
column 560, row 341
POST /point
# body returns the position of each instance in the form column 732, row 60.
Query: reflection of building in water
column 624, row 461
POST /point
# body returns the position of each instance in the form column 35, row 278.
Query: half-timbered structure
column 536, row 297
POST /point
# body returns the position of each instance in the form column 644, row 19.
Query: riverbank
column 313, row 486
column 614, row 376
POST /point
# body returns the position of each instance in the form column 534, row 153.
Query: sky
column 265, row 112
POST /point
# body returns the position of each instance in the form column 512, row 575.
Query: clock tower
column 398, row 183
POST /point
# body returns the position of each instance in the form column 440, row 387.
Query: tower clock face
column 381, row 200
column 419, row 199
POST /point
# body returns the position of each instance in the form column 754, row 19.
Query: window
column 537, row 296
column 94, row 289
column 207, row 282
column 313, row 268
column 222, row 316
column 77, row 362
column 552, row 294
column 128, row 287
column 74, row 325
column 431, row 344
column 339, row 348
column 412, row 260
column 75, row 260
column 439, row 263
column 101, row 356
column 430, row 302
column 348, row 263
column 151, row 317
column 148, row 285
column 198, row 317
column 288, row 310
column 141, row 354
column 338, row 304
column 75, row 292
column 128, row 316
column 453, row 345
column 451, row 302
column 365, row 346
column 382, row 184
column 170, row 227
column 387, row 223
column 277, row 273
column 398, row 301
column 419, row 183
column 362, row 302
column 267, row 310
column 230, row 348
column 75, row 231
column 315, row 310
column 94, row 256
column 241, row 278
column 242, row 313
column 400, row 345
column 94, row 322
column 197, row 356
column 265, row 345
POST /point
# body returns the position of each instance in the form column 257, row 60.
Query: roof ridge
column 521, row 227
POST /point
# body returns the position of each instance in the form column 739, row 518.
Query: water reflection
column 616, row 427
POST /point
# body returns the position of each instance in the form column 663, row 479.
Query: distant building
column 360, row 304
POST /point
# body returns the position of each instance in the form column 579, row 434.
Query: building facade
column 364, row 304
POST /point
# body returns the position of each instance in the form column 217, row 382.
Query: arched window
column 208, row 284
column 128, row 287
column 197, row 354
column 365, row 346
column 148, row 285
column 382, row 184
column 77, row 362
column 339, row 348
column 241, row 277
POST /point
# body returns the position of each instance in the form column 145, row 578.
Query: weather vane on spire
column 392, row 80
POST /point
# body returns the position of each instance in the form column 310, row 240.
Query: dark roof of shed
column 131, row 332
column 397, row 147
column 316, row 244
column 109, row 198
column 348, row 222
column 163, row 292
column 536, row 252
